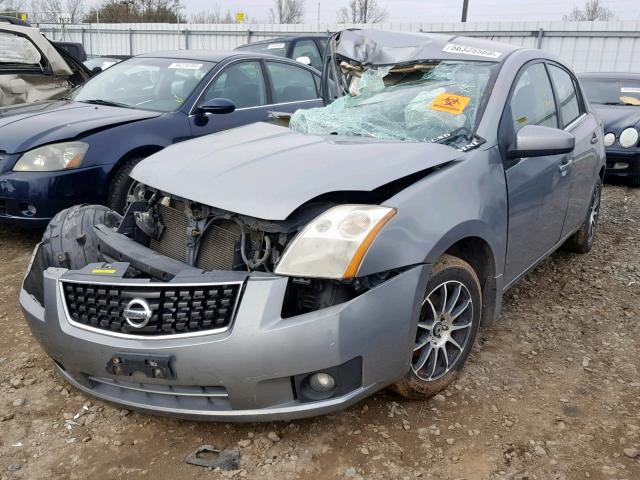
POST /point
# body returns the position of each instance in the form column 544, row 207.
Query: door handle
column 565, row 165
column 595, row 138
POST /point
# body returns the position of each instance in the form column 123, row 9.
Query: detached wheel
column 582, row 240
column 449, row 321
column 121, row 184
column 70, row 241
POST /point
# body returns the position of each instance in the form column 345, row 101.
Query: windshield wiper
column 107, row 103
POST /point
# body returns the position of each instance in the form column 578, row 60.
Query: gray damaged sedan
column 269, row 273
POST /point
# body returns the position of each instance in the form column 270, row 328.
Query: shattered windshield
column 420, row 103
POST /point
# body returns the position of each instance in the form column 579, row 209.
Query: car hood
column 27, row 126
column 265, row 171
column 618, row 117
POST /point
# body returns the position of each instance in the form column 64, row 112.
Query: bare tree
column 11, row 7
column 214, row 15
column 49, row 11
column 287, row 11
column 143, row 11
column 362, row 11
column 593, row 10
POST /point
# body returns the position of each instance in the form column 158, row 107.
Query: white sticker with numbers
column 468, row 50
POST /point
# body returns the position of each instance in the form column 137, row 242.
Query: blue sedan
column 80, row 150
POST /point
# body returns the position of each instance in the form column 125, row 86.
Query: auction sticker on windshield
column 467, row 50
column 186, row 66
column 450, row 103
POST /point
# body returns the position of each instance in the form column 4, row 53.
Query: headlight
column 58, row 156
column 334, row 244
column 629, row 137
column 609, row 139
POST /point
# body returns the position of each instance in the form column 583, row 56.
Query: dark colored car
column 60, row 153
column 616, row 98
column 306, row 49
column 75, row 50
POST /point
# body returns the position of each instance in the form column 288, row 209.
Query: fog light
column 620, row 165
column 322, row 382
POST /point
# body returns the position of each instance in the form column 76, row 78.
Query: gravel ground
column 551, row 391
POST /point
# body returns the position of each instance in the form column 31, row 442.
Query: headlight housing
column 334, row 244
column 57, row 156
column 609, row 139
column 629, row 137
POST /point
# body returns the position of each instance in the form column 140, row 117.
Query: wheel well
column 477, row 253
column 601, row 173
column 138, row 152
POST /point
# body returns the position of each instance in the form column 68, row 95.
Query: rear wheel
column 582, row 240
column 447, row 327
column 120, row 185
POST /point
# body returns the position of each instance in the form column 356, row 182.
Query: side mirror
column 217, row 106
column 96, row 70
column 304, row 60
column 539, row 141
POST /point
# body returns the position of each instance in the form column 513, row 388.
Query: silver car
column 268, row 273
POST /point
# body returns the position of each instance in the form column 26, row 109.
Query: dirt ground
column 551, row 391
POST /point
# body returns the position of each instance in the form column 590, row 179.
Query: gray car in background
column 268, row 273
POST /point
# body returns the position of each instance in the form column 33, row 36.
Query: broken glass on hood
column 430, row 102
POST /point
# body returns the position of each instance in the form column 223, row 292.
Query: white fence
column 586, row 46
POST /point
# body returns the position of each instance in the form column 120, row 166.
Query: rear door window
column 532, row 101
column 291, row 83
column 567, row 94
column 17, row 50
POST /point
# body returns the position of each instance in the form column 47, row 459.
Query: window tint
column 242, row 83
column 279, row 49
column 307, row 48
column 567, row 96
column 291, row 83
column 532, row 102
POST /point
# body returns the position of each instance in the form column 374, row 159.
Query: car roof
column 390, row 48
column 611, row 75
column 288, row 38
column 208, row 55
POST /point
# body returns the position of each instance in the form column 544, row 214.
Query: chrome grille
column 175, row 309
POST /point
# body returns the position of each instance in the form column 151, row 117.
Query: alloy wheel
column 594, row 212
column 444, row 330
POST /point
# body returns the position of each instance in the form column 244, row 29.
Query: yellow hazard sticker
column 450, row 103
column 104, row 271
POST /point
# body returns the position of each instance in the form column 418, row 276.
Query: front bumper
column 623, row 163
column 31, row 199
column 246, row 373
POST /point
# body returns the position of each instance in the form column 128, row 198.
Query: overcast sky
column 430, row 10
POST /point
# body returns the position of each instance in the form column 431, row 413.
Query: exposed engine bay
column 208, row 239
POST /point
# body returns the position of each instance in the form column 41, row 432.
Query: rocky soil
column 551, row 391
